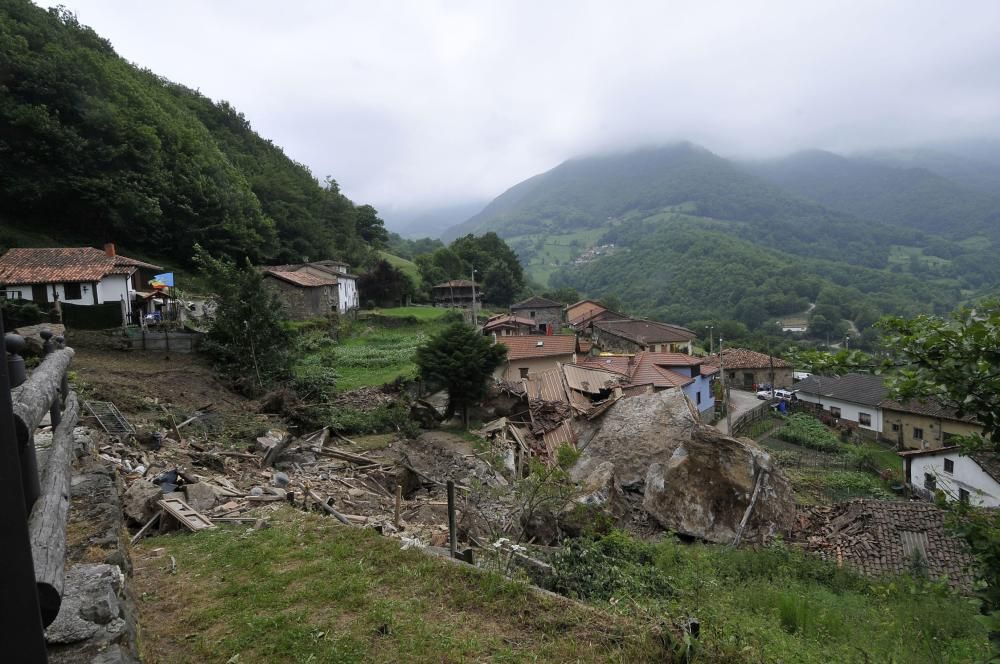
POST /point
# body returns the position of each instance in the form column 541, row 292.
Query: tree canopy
column 461, row 360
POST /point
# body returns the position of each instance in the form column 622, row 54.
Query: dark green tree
column 385, row 285
column 247, row 338
column 462, row 361
column 500, row 285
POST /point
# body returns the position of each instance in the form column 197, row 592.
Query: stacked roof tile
column 646, row 332
column 744, row 358
column 520, row 348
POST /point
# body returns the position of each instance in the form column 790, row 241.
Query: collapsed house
column 885, row 538
column 647, row 456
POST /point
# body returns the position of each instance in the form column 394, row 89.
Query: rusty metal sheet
column 589, row 379
column 547, row 386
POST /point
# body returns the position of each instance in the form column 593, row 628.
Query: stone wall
column 551, row 317
column 302, row 303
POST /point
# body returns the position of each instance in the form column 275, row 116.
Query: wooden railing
column 742, row 423
column 46, row 495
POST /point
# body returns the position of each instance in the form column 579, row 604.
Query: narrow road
column 740, row 403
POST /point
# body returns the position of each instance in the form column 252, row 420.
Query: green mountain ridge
column 94, row 147
column 651, row 201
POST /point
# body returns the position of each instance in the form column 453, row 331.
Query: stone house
column 531, row 355
column 313, row 290
column 635, row 336
column 746, row 368
column 973, row 479
column 546, row 314
column 581, row 311
column 923, row 424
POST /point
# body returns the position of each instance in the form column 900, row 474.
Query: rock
column 257, row 491
column 200, row 496
column 693, row 479
column 599, row 507
column 705, row 487
column 280, row 480
column 90, row 604
column 140, row 500
column 439, row 539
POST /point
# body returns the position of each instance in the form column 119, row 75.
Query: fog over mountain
column 419, row 105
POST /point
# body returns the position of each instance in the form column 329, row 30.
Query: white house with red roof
column 973, row 478
column 71, row 275
column 531, row 355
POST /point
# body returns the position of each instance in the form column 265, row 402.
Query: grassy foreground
column 309, row 590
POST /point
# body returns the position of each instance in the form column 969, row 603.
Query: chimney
column 109, row 249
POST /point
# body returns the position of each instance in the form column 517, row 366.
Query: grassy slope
column 409, row 268
column 370, row 354
column 310, row 590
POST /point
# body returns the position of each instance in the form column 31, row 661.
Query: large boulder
column 694, row 480
column 140, row 500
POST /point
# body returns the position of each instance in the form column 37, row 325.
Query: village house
column 313, row 290
column 74, row 276
column 746, row 368
column 530, row 355
column 855, row 399
column 456, row 293
column 922, row 424
column 973, row 479
column 508, row 325
column 584, row 322
column 634, row 336
column 546, row 314
column 582, row 310
column 654, row 372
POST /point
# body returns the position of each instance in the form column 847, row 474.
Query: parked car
column 775, row 394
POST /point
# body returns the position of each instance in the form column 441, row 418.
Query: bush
column 809, row 432
column 616, row 564
column 386, row 418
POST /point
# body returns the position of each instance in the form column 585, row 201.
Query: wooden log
column 327, row 508
column 47, row 523
column 399, row 504
column 35, row 397
column 149, row 524
column 346, row 456
column 275, row 452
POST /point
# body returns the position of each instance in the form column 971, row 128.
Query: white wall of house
column 17, row 292
column 966, row 474
column 848, row 411
column 347, row 293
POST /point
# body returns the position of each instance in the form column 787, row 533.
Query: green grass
column 901, row 254
column 777, row 604
column 409, row 268
column 556, row 248
column 420, row 313
column 309, row 590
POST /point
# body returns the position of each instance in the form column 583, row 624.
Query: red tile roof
column 744, row 358
column 646, row 331
column 507, row 320
column 61, row 265
column 647, row 368
column 536, row 302
column 303, row 279
column 456, row 283
column 520, row 348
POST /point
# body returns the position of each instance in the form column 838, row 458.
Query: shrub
column 809, row 432
column 616, row 564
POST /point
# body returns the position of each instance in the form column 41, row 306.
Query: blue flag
column 166, row 279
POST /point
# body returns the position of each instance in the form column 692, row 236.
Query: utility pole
column 475, row 321
column 847, row 342
column 725, row 392
column 770, row 359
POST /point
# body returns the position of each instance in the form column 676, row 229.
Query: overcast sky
column 411, row 104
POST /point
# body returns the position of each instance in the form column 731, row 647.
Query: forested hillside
column 681, row 233
column 93, row 148
column 905, row 196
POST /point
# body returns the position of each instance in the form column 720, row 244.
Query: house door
column 39, row 293
column 748, row 379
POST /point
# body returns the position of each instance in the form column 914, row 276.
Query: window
column 918, row 433
column 895, row 426
column 834, row 411
column 963, row 496
column 865, row 419
column 524, row 372
column 531, row 314
column 698, row 397
column 949, row 466
column 929, row 482
column 72, row 291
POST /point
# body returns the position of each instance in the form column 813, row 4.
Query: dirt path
column 741, row 402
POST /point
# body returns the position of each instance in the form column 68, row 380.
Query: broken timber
column 189, row 517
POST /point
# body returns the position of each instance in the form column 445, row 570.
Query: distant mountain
column 973, row 165
column 884, row 192
column 680, row 232
column 429, row 222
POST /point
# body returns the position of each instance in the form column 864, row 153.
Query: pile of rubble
column 230, row 486
column 882, row 537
